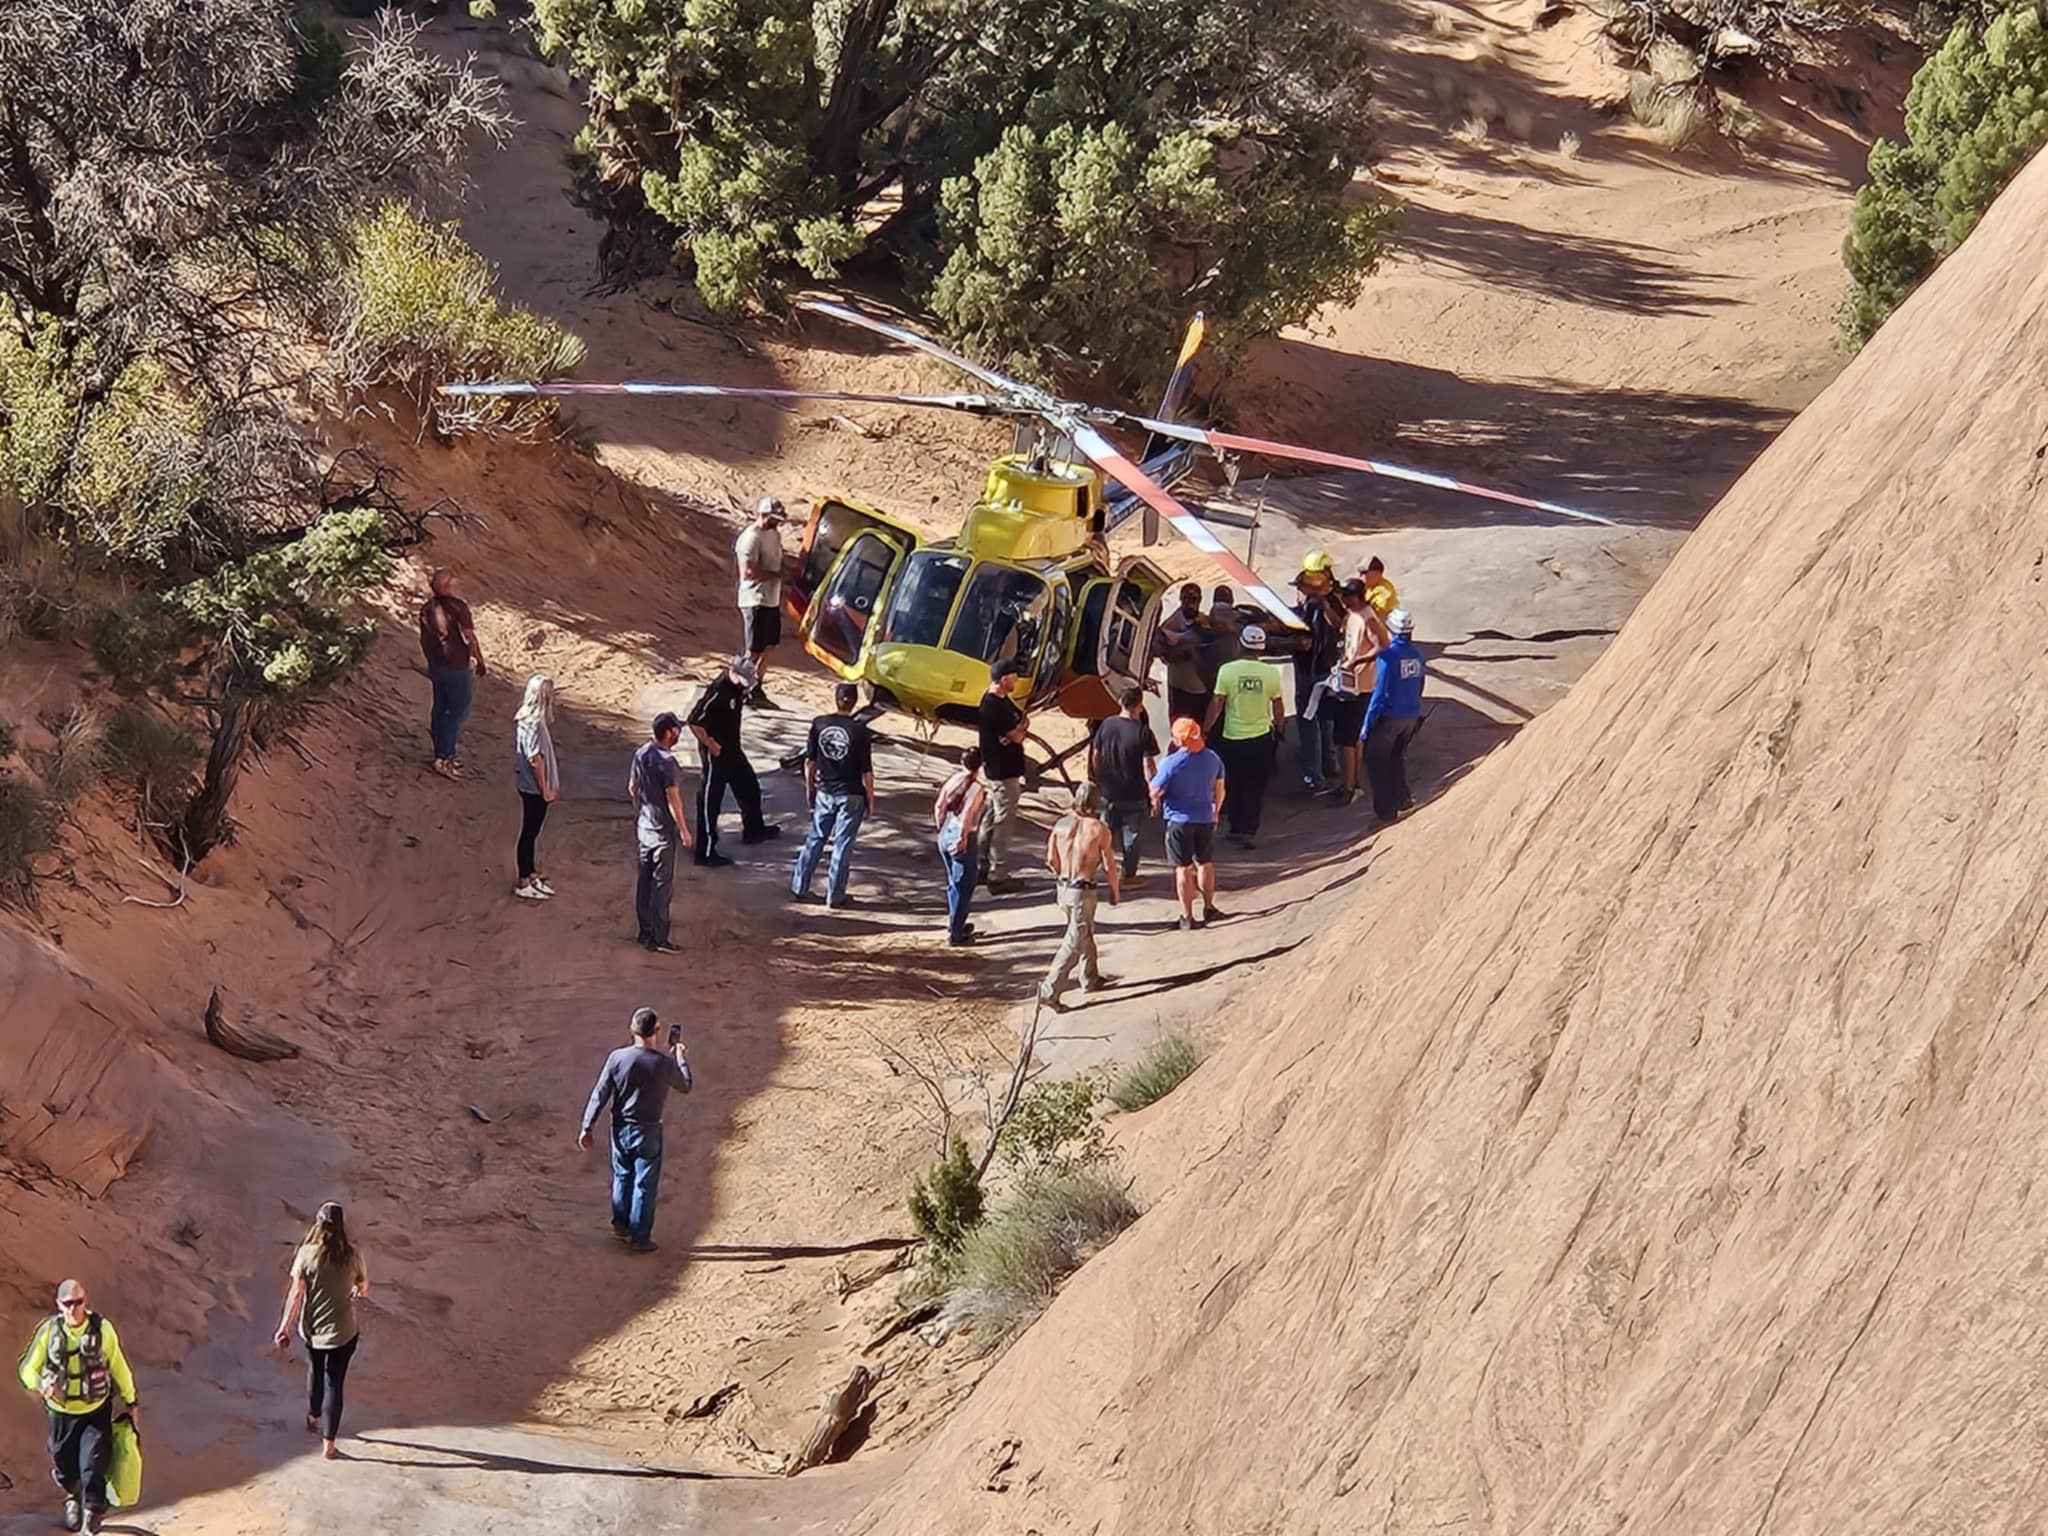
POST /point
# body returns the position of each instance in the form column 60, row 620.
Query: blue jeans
column 1126, row 819
column 636, row 1177
column 960, row 874
column 836, row 815
column 454, row 687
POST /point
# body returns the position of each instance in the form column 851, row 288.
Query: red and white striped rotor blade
column 909, row 338
column 1231, row 442
column 1113, row 463
column 977, row 404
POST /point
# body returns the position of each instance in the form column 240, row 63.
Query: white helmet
column 1252, row 637
column 1401, row 622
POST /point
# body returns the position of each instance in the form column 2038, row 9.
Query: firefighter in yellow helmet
column 1315, row 746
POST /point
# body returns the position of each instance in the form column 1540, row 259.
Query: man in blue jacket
column 1392, row 716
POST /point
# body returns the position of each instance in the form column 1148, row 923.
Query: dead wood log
column 838, row 1411
column 249, row 1044
column 709, row 1405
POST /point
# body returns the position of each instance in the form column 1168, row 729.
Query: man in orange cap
column 1187, row 792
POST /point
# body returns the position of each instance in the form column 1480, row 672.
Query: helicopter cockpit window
column 1002, row 616
column 923, row 597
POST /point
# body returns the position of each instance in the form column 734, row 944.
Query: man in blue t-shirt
column 1392, row 717
column 1186, row 792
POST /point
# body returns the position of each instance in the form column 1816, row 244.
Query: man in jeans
column 654, row 785
column 1003, row 726
column 448, row 641
column 1121, row 761
column 839, row 781
column 636, row 1080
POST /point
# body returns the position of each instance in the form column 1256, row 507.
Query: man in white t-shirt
column 758, row 554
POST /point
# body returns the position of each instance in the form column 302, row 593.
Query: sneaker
column 964, row 936
column 529, row 893
column 1187, row 924
column 998, row 887
column 664, row 949
column 635, row 1246
column 1248, row 843
column 90, row 1521
column 543, row 887
column 1133, row 882
column 1099, row 984
column 805, row 897
column 762, row 834
column 74, row 1516
column 838, row 906
column 760, row 700
column 1213, row 914
column 622, row 1234
column 1053, row 1003
column 714, row 861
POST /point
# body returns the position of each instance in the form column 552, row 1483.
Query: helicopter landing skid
column 1035, row 774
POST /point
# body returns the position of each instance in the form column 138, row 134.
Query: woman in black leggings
column 539, row 781
column 328, row 1278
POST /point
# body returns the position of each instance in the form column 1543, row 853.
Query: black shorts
column 1347, row 716
column 1190, row 842
column 762, row 628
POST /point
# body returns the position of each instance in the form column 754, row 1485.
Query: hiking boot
column 760, row 700
column 762, row 834
column 637, row 1246
column 74, row 1515
column 90, row 1521
column 964, row 936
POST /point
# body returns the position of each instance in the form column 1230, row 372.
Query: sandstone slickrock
column 1665, row 1149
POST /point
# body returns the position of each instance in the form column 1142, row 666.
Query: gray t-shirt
column 654, row 774
column 533, row 739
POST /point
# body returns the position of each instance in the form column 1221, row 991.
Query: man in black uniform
column 715, row 722
column 1323, row 615
column 1002, row 729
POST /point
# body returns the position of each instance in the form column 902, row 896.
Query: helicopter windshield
column 923, row 598
column 1002, row 616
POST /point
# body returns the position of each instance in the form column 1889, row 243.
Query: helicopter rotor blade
column 1022, row 392
column 1112, row 462
column 1231, row 442
column 978, row 405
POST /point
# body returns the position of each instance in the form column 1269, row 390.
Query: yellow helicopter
column 1029, row 575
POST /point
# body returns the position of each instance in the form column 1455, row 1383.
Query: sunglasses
column 67, row 1302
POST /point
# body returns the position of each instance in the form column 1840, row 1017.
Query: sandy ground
column 450, row 1034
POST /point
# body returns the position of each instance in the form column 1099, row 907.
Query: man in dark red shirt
column 448, row 641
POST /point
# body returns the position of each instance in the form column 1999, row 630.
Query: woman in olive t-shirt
column 327, row 1279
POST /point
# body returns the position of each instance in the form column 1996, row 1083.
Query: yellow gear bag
column 124, row 1466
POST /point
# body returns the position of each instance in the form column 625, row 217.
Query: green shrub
column 1054, row 1129
column 1165, row 1064
column 154, row 756
column 417, row 309
column 28, row 829
column 946, row 1204
column 1012, row 1263
column 7, row 739
column 1977, row 111
column 136, row 644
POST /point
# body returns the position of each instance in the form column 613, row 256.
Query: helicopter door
column 832, row 527
column 838, row 624
column 1131, row 622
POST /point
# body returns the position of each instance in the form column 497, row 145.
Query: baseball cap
column 1252, row 637
column 667, row 721
column 770, row 506
column 1187, row 733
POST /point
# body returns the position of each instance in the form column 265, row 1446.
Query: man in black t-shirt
column 1121, row 761
column 839, row 781
column 715, row 722
column 1003, row 726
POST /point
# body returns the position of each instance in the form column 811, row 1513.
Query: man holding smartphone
column 636, row 1081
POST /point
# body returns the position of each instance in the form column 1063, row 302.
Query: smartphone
column 675, row 1034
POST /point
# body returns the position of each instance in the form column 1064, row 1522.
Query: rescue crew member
column 1392, row 717
column 1250, row 709
column 75, row 1364
column 715, row 722
column 1180, row 640
column 1078, row 849
column 1379, row 592
column 1322, row 615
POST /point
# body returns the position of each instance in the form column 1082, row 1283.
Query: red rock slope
column 1664, row 1152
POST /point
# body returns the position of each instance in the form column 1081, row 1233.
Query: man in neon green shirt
column 1251, row 703
column 74, row 1363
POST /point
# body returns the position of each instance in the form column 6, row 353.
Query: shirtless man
column 1079, row 850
